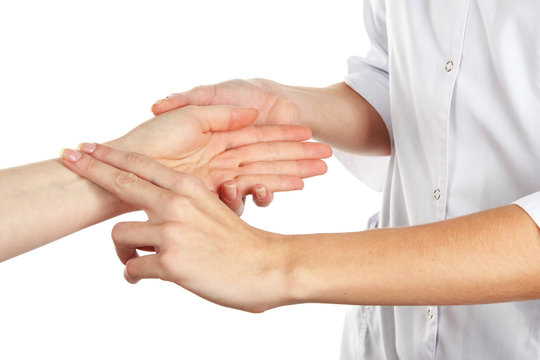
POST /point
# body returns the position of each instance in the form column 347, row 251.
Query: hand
column 199, row 243
column 336, row 114
column 216, row 144
column 275, row 107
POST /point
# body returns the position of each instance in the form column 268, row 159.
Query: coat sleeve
column 368, row 76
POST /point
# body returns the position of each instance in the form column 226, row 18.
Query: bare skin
column 45, row 201
column 200, row 245
column 336, row 114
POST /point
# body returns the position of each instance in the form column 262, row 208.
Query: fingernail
column 260, row 192
column 156, row 104
column 70, row 155
column 87, row 147
column 230, row 191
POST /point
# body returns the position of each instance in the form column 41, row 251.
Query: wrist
column 114, row 206
column 306, row 259
column 275, row 266
column 317, row 107
column 308, row 102
column 290, row 288
column 120, row 143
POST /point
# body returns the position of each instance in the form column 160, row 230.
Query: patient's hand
column 217, row 144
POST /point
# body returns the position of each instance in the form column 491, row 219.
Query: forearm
column 490, row 256
column 341, row 117
column 45, row 201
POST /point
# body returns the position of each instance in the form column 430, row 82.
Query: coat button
column 430, row 314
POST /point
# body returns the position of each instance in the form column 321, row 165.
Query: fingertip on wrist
column 88, row 148
column 70, row 155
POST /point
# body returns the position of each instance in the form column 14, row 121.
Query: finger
column 229, row 194
column 169, row 103
column 262, row 196
column 138, row 164
column 201, row 95
column 273, row 183
column 267, row 133
column 300, row 168
column 277, row 151
column 128, row 236
column 223, row 117
column 125, row 185
column 143, row 267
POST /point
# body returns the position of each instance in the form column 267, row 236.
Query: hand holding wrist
column 199, row 244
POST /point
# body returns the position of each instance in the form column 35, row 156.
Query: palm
column 273, row 107
column 183, row 140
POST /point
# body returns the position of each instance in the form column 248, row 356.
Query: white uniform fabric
column 458, row 86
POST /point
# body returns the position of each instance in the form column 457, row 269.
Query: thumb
column 171, row 102
column 223, row 117
column 200, row 96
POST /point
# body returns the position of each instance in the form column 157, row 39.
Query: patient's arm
column 42, row 202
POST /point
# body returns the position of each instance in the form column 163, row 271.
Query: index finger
column 123, row 184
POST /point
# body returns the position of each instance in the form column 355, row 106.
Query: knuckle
column 164, row 261
column 168, row 231
column 167, row 262
column 191, row 181
column 192, row 185
column 170, row 200
column 186, row 206
column 179, row 206
column 124, row 179
column 135, row 160
column 168, row 266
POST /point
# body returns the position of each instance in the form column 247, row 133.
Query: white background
column 73, row 71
